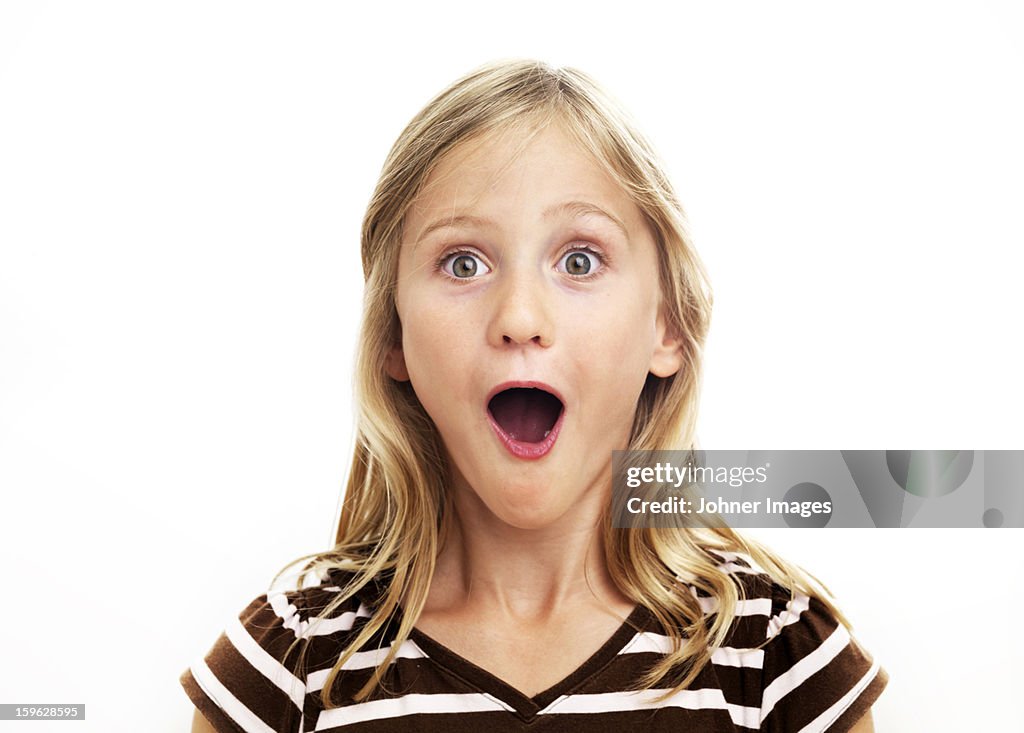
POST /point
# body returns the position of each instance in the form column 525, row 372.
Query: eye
column 579, row 262
column 464, row 265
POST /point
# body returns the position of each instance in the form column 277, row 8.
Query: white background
column 181, row 187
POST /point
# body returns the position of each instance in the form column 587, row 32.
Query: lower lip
column 528, row 451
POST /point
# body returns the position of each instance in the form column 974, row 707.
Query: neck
column 490, row 567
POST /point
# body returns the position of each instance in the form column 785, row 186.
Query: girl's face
column 523, row 276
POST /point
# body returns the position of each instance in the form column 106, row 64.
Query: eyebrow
column 585, row 208
column 454, row 221
column 574, row 208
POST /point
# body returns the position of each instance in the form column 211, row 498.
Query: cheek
column 437, row 358
column 613, row 359
column 624, row 336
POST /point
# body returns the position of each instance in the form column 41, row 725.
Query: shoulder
column 814, row 675
column 256, row 672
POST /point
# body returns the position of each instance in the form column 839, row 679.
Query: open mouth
column 526, row 415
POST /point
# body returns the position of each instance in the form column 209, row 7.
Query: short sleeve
column 816, row 677
column 249, row 679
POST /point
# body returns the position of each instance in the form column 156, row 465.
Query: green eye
column 579, row 262
column 463, row 265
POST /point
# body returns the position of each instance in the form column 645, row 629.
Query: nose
column 521, row 313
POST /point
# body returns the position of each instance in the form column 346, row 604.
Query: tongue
column 527, row 415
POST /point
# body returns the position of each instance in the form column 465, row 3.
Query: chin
column 530, row 522
column 530, row 515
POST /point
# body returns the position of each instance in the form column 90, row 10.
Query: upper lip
column 525, row 384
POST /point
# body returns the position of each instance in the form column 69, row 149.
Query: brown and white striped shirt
column 809, row 676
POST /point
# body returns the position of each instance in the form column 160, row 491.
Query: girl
column 532, row 303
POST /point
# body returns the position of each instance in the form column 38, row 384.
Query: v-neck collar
column 527, row 708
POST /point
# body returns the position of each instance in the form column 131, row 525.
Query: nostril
column 538, row 339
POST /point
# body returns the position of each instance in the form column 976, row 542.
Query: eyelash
column 447, row 257
column 602, row 261
column 601, row 258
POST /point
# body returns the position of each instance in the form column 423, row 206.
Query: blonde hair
column 393, row 519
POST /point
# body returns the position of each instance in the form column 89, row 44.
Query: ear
column 667, row 357
column 394, row 365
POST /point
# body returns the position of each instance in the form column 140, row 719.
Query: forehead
column 513, row 172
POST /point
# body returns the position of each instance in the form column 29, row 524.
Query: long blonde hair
column 393, row 518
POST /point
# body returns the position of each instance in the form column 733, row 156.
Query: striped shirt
column 809, row 676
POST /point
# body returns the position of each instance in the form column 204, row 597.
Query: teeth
column 547, row 433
